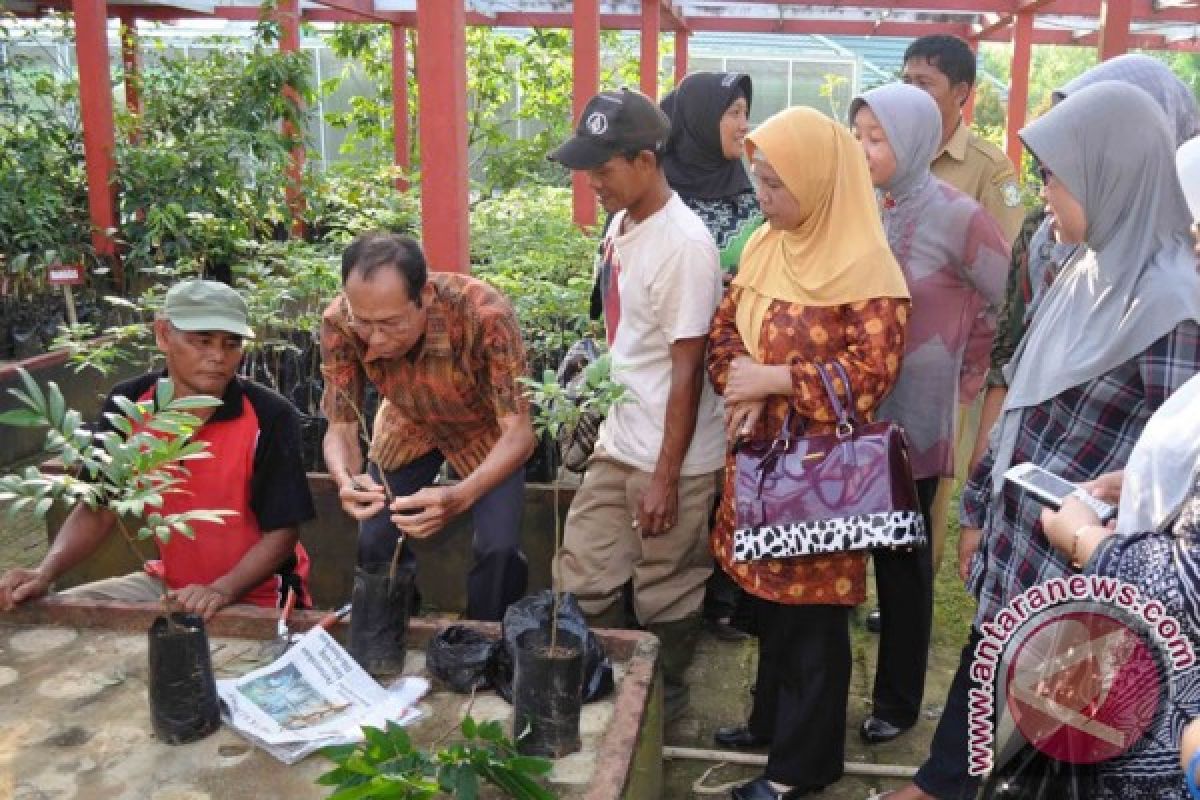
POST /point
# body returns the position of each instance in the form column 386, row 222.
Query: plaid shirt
column 1082, row 433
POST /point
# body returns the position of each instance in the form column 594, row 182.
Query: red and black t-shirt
column 256, row 470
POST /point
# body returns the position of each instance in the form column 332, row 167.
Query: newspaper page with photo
column 313, row 696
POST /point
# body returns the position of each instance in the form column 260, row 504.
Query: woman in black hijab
column 709, row 114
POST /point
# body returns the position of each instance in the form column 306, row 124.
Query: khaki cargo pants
column 602, row 551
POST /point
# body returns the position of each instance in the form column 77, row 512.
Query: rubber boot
column 678, row 645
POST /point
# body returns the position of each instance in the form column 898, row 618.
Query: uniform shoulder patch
column 1011, row 194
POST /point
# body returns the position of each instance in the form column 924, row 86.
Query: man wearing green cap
column 255, row 471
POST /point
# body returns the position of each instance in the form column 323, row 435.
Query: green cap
column 207, row 306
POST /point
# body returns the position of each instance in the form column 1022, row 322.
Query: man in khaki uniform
column 944, row 67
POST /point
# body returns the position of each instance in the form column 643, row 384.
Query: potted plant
column 548, row 668
column 127, row 471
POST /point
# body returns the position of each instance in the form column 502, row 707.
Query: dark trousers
column 904, row 582
column 801, row 695
column 499, row 574
column 944, row 774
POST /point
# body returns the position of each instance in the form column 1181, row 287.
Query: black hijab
column 694, row 162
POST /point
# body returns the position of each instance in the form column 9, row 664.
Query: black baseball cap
column 612, row 123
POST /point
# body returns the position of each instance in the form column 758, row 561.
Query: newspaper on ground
column 313, row 696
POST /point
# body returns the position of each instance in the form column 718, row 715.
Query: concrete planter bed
column 76, row 721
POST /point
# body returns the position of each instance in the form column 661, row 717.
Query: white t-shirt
column 668, row 279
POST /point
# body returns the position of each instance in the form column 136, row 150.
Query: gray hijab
column 913, row 125
column 1153, row 77
column 1183, row 117
column 1111, row 146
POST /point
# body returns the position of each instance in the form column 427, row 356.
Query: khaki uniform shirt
column 977, row 167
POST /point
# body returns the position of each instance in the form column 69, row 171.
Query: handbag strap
column 847, row 416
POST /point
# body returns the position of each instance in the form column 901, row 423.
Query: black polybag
column 533, row 612
column 460, row 656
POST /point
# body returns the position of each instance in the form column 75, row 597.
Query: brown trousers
column 602, row 551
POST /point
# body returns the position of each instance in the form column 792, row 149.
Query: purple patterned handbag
column 851, row 489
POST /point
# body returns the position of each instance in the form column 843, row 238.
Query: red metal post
column 1018, row 90
column 650, row 29
column 585, row 80
column 400, row 103
column 288, row 15
column 442, row 76
column 1115, row 16
column 132, row 64
column 968, row 111
column 681, row 55
column 96, row 110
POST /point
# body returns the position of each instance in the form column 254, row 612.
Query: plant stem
column 554, row 592
column 131, row 542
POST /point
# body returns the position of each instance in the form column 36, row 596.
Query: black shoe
column 760, row 789
column 739, row 737
column 874, row 621
column 721, row 629
column 877, row 731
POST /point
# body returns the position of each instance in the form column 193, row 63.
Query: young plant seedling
column 558, row 411
column 126, row 470
column 388, row 765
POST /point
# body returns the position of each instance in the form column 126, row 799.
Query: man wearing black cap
column 641, row 514
column 254, row 471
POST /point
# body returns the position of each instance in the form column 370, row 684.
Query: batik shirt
column 448, row 393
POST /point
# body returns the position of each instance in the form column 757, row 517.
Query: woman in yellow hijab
column 817, row 284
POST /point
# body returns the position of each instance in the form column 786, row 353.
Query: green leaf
column 22, row 418
column 468, row 727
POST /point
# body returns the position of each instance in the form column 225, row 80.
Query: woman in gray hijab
column 955, row 260
column 1037, row 256
column 1116, row 334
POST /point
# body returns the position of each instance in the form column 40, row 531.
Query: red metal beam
column 678, row 23
column 585, row 82
column 1018, row 89
column 287, row 14
column 681, row 55
column 95, row 101
column 442, row 76
column 649, row 47
column 400, row 104
column 1114, row 28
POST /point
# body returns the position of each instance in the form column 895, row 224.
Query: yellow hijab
column 839, row 254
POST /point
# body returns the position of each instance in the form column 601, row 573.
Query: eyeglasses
column 392, row 326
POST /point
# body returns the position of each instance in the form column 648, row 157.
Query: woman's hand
column 749, row 381
column 740, row 419
column 1107, row 487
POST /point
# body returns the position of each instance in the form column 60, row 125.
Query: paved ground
column 721, row 678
